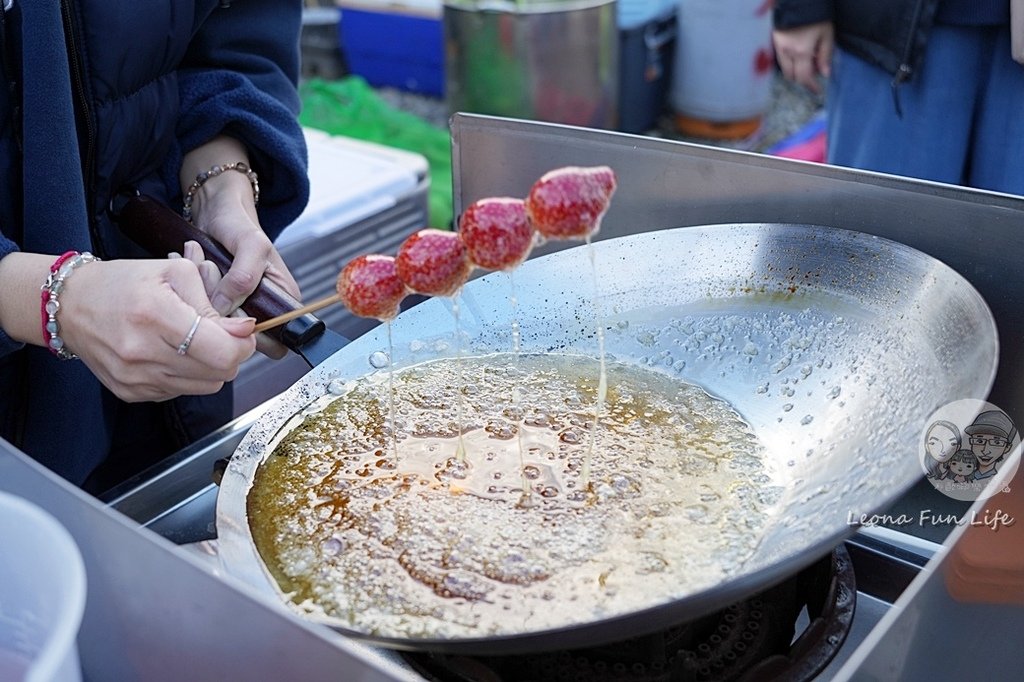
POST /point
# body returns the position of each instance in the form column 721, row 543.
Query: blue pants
column 963, row 113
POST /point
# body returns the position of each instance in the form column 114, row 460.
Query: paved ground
column 790, row 108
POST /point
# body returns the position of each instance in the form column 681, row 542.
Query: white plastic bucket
column 723, row 65
column 42, row 595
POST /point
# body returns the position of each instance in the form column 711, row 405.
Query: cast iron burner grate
column 750, row 640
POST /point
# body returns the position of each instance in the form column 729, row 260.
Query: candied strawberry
column 433, row 262
column 496, row 233
column 369, row 286
column 568, row 203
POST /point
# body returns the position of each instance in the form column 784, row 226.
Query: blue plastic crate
column 404, row 51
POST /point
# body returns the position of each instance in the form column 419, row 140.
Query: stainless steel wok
column 835, row 346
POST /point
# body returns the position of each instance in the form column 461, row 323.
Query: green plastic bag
column 351, row 108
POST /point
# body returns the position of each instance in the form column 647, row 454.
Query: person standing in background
column 931, row 89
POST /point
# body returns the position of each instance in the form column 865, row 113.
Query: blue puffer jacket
column 145, row 83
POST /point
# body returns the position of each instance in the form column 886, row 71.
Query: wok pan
column 834, row 346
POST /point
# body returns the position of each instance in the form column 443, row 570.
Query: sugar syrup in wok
column 431, row 547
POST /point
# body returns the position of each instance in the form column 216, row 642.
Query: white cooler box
column 364, row 198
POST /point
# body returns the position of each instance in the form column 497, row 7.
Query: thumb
column 240, row 327
column 824, row 59
column 823, row 56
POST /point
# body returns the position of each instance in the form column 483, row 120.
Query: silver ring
column 183, row 346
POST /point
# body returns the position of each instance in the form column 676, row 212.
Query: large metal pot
column 834, row 346
column 547, row 61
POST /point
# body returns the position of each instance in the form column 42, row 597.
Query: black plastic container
column 646, row 55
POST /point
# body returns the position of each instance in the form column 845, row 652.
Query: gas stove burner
column 755, row 639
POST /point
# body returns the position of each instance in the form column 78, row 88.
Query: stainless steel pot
column 834, row 346
column 547, row 61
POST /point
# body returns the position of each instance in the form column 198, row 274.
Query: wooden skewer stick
column 298, row 312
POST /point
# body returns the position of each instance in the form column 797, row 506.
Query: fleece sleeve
column 794, row 13
column 239, row 78
column 7, row 345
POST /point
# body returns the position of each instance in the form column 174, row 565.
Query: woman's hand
column 804, row 53
column 127, row 318
column 212, row 280
column 224, row 208
column 255, row 257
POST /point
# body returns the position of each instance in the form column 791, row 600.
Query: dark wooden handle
column 159, row 230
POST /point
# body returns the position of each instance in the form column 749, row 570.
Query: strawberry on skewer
column 568, row 203
column 494, row 233
column 369, row 286
column 497, row 233
column 433, row 262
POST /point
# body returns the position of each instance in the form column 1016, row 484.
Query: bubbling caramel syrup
column 435, row 547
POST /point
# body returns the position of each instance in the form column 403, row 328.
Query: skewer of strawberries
column 494, row 234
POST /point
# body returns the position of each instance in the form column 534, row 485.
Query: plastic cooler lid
column 350, row 180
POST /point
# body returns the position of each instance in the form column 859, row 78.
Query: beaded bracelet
column 50, row 291
column 201, row 179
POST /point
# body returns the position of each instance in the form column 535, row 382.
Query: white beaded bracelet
column 214, row 171
column 50, row 291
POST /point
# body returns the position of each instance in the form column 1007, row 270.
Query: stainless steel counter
column 154, row 611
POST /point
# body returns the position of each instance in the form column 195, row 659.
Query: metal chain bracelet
column 240, row 166
column 50, row 305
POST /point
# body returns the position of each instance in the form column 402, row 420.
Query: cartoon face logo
column 942, row 439
column 966, row 444
column 962, row 465
column 991, row 437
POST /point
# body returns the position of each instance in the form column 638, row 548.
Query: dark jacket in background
column 891, row 34
column 146, row 82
